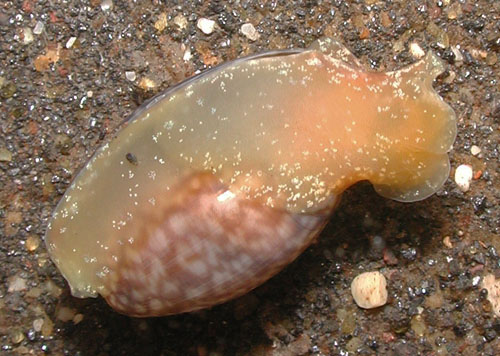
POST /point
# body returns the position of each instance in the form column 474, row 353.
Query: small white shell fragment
column 447, row 242
column 161, row 23
column 458, row 55
column 475, row 150
column 463, row 177
column 206, row 25
column 107, row 5
column 187, row 55
column 416, row 51
column 38, row 29
column 147, row 83
column 181, row 21
column 38, row 324
column 130, row 75
column 28, row 35
column 493, row 288
column 250, row 32
column 369, row 290
column 16, row 284
column 70, row 42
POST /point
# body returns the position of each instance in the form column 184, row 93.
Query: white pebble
column 250, row 32
column 107, row 5
column 475, row 150
column 369, row 290
column 38, row 29
column 416, row 51
column 206, row 25
column 131, row 76
column 28, row 35
column 70, row 42
column 37, row 325
column 458, row 55
column 187, row 55
column 181, row 21
column 17, row 284
column 463, row 177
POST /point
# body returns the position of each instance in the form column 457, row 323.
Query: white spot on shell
column 227, row 195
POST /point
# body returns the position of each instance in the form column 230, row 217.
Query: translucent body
column 213, row 187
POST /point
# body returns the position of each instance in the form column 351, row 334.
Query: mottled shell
column 212, row 187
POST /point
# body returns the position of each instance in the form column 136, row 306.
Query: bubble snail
column 215, row 185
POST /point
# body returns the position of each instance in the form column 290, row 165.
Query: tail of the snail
column 416, row 135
